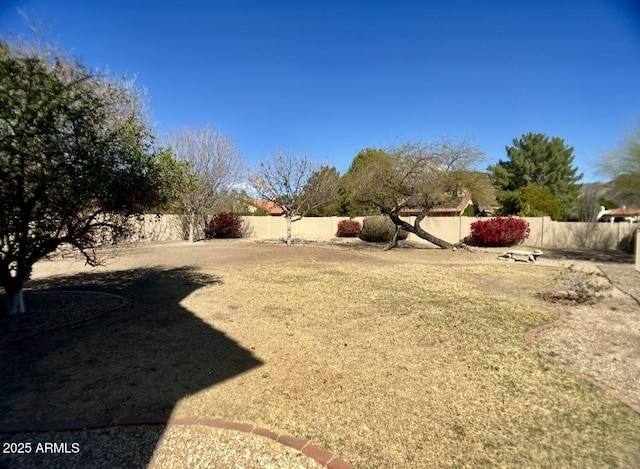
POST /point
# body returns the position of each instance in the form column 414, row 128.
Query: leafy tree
column 362, row 162
column 214, row 165
column 173, row 177
column 420, row 177
column 286, row 180
column 608, row 204
column 537, row 159
column 76, row 161
column 480, row 186
column 538, row 201
column 332, row 207
column 623, row 167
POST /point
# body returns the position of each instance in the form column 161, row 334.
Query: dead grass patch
column 388, row 360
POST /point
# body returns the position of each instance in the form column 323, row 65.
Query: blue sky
column 329, row 78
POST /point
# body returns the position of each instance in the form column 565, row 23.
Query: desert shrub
column 379, row 229
column 499, row 231
column 581, row 287
column 348, row 228
column 225, row 225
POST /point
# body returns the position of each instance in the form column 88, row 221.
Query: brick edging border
column 317, row 453
column 529, row 338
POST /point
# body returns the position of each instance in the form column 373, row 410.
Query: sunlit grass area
column 410, row 365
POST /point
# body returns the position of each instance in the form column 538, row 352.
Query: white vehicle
column 616, row 219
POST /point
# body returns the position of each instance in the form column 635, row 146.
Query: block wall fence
column 544, row 231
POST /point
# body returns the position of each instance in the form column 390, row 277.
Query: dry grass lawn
column 408, row 358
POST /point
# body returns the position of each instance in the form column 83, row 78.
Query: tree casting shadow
column 135, row 363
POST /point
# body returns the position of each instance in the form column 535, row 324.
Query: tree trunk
column 394, row 241
column 15, row 303
column 13, row 283
column 192, row 227
column 417, row 230
column 289, row 231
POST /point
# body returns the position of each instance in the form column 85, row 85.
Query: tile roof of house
column 457, row 207
column 624, row 212
column 267, row 206
column 460, row 204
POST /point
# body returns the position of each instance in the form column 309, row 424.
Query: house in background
column 619, row 215
column 460, row 207
column 455, row 209
column 261, row 205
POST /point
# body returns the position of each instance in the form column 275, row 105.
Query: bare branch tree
column 215, row 166
column 294, row 183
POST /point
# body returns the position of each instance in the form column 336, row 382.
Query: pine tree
column 542, row 161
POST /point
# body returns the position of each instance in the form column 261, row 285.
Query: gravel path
column 153, row 447
column 601, row 342
column 625, row 277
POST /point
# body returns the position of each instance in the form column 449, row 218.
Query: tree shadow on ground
column 135, row 363
column 592, row 255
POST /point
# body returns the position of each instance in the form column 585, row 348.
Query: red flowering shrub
column 225, row 225
column 348, row 228
column 499, row 231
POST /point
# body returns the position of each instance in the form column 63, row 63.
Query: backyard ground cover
column 408, row 358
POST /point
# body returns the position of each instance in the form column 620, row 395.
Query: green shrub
column 379, row 229
column 470, row 211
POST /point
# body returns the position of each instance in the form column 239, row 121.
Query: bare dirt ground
column 408, row 358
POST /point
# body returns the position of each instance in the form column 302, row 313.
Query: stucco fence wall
column 544, row 231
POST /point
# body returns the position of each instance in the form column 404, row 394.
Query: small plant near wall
column 499, row 231
column 348, row 228
column 379, row 229
column 225, row 225
column 470, row 211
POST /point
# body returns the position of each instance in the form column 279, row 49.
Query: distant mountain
column 595, row 191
